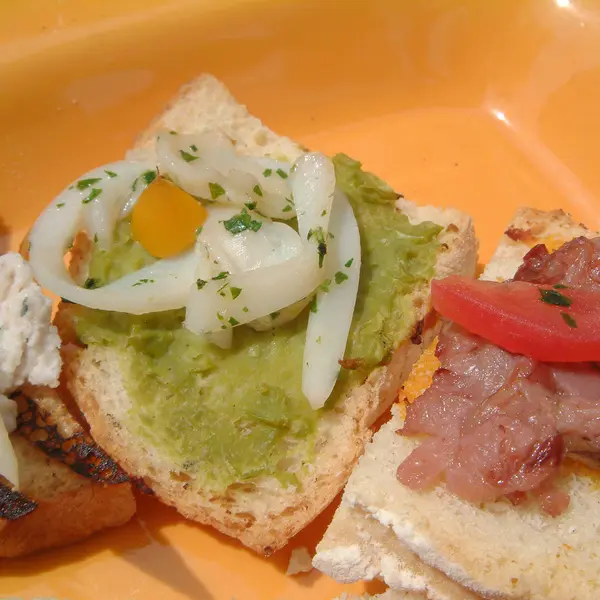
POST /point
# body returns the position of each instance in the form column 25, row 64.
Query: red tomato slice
column 514, row 316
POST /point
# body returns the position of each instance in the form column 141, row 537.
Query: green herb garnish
column 559, row 286
column 340, row 277
column 187, row 156
column 274, row 315
column 24, row 307
column 142, row 281
column 241, row 222
column 91, row 283
column 235, row 292
column 349, row 263
column 84, row 184
column 60, row 205
column 555, row 298
column 216, row 190
column 267, row 172
column 233, row 321
column 194, row 148
column 313, row 305
column 200, row 283
column 256, row 189
column 287, row 208
column 569, row 320
column 250, row 205
column 282, row 173
column 149, row 177
column 111, row 174
column 221, row 275
column 92, row 195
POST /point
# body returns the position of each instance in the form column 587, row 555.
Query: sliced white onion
column 8, row 459
column 197, row 161
column 328, row 327
column 161, row 286
column 240, row 297
column 313, row 186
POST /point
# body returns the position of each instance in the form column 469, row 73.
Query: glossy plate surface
column 481, row 105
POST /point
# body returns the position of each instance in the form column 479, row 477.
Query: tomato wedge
column 545, row 322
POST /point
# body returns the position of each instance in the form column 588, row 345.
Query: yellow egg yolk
column 165, row 219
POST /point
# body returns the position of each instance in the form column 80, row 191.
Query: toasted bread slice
column 261, row 513
column 70, row 506
column 439, row 540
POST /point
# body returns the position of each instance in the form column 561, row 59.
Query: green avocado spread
column 228, row 416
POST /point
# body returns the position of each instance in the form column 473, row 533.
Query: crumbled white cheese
column 28, row 343
column 300, row 561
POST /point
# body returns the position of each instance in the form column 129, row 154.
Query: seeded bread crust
column 452, row 548
column 262, row 514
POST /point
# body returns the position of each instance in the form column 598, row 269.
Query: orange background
column 482, row 104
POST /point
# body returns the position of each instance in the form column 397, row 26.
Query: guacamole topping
column 229, row 416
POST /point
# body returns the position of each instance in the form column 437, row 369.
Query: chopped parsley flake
column 275, row 314
column 60, row 205
column 349, row 263
column 111, row 174
column 290, row 200
column 267, row 172
column 242, row 222
column 245, row 309
column 194, row 148
column 91, row 283
column 187, row 156
column 313, row 305
column 287, row 208
column 325, row 286
column 235, row 292
column 340, row 277
column 172, row 132
column 92, row 195
column 569, row 320
column 555, row 298
column 216, row 190
column 200, row 283
column 256, row 189
column 95, row 238
column 149, row 177
column 251, row 205
column 282, row 173
column 233, row 321
column 24, row 307
column 142, row 281
column 324, row 213
column 198, row 230
column 220, row 317
column 319, row 235
column 84, row 184
column 559, row 286
column 221, row 275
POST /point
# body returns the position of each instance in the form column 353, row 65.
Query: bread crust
column 70, row 507
column 494, row 550
column 263, row 516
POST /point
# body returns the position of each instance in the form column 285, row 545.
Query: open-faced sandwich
column 243, row 311
column 56, row 485
column 487, row 484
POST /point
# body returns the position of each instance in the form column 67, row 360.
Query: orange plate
column 484, row 105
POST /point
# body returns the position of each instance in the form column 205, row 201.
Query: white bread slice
column 70, row 507
column 262, row 514
column 496, row 550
